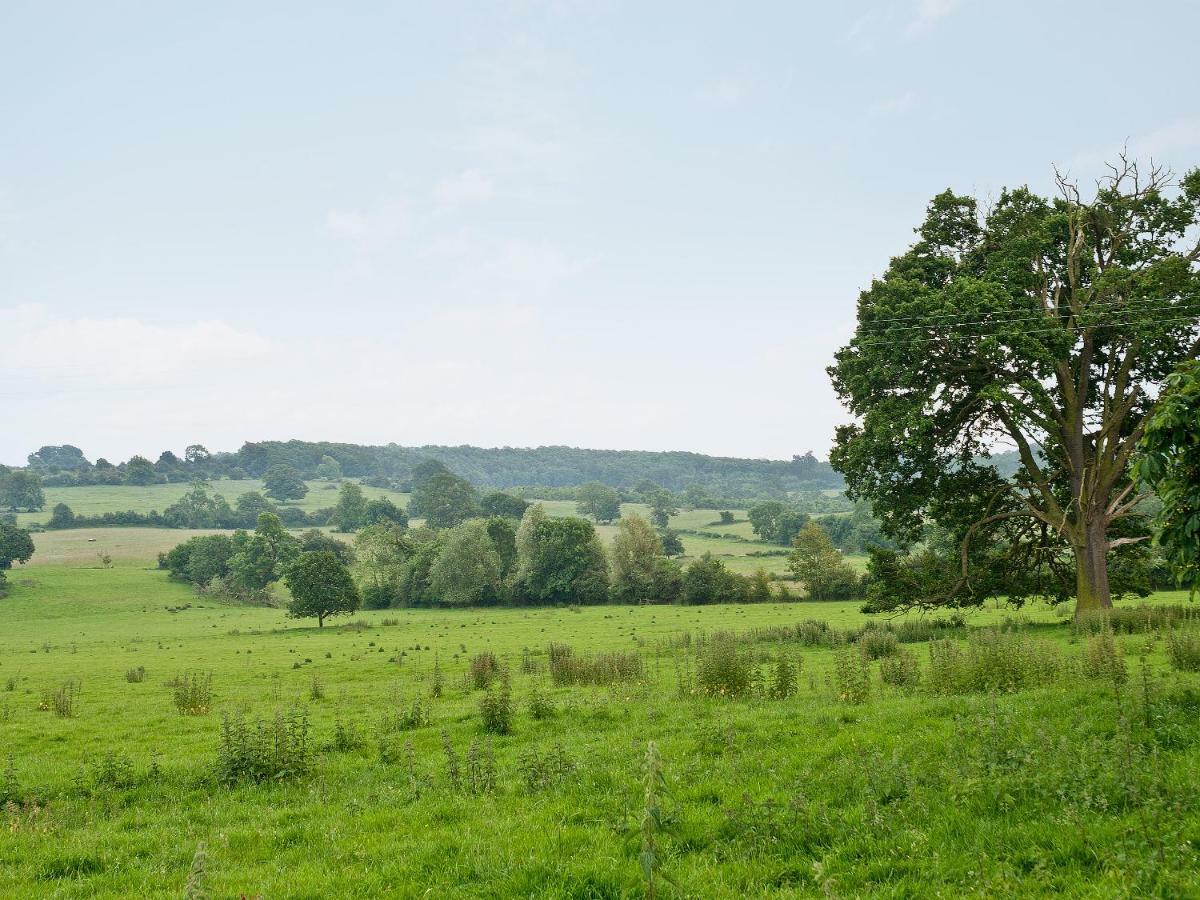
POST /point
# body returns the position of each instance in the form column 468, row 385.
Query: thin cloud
column 892, row 106
column 928, row 13
column 367, row 231
column 726, row 91
column 469, row 186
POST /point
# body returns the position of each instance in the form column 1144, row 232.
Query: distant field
column 92, row 501
column 142, row 545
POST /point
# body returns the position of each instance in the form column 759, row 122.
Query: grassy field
column 733, row 548
column 1062, row 785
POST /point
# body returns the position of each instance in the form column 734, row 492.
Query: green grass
column 1059, row 790
column 733, row 550
column 94, row 500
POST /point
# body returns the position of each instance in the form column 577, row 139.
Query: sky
column 575, row 222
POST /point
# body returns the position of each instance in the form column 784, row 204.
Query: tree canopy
column 321, row 587
column 1044, row 324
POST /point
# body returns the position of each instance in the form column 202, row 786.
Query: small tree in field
column 321, row 587
column 284, row 483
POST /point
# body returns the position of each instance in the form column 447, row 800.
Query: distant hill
column 498, row 467
column 503, row 467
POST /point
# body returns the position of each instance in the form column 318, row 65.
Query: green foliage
column 708, row 581
column 901, row 670
column 381, row 510
column 1051, row 323
column 284, row 483
column 564, row 562
column 496, row 710
column 321, row 586
column 1169, row 464
column 192, row 693
column 468, row 570
column 140, row 471
column 21, row 489
column 634, row 556
column 444, row 500
column 672, row 543
column 329, row 469
column 722, row 670
column 993, row 660
column 852, row 675
column 783, row 677
column 200, row 507
column 265, row 751
column 61, row 517
column 1183, row 649
column 662, row 507
column 567, row 667
column 504, row 504
column 598, row 501
column 16, row 546
column 815, row 562
column 350, row 514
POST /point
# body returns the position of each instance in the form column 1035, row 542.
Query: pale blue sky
column 598, row 223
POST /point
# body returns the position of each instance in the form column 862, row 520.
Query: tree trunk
column 1091, row 579
column 321, row 618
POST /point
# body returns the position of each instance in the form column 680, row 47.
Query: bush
column 852, row 675
column 484, row 667
column 602, row 668
column 1102, row 658
column 495, row 707
column 265, row 751
column 783, row 678
column 1183, row 649
column 136, row 676
column 993, row 660
column 877, row 643
column 721, row 670
column 192, row 693
column 540, row 706
column 901, row 670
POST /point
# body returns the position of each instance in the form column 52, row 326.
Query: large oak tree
column 1042, row 324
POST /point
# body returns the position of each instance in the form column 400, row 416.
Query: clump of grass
column 1136, row 619
column 439, row 683
column 876, row 643
column 316, row 690
column 783, row 678
column 10, row 787
column 852, row 675
column 274, row 750
column 113, row 771
column 993, row 660
column 453, row 770
column 1102, row 658
column 481, row 767
column 346, row 736
column 495, row 707
column 901, row 670
column 63, row 701
column 192, row 693
column 540, row 706
column 602, row 668
column 545, row 771
column 721, row 670
column 136, row 675
column 1183, row 649
column 483, row 669
column 194, row 888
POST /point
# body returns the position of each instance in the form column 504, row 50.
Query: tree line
column 723, row 480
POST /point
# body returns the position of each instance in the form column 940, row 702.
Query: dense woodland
column 722, row 478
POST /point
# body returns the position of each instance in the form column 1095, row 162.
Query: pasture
column 1036, row 775
column 734, row 546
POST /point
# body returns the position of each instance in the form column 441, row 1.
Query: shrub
column 852, row 675
column 602, row 668
column 496, row 709
column 993, row 660
column 484, row 667
column 136, row 676
column 277, row 750
column 783, row 678
column 877, row 643
column 540, row 706
column 901, row 669
column 62, row 701
column 542, row 771
column 1102, row 658
column 192, row 693
column 721, row 670
column 1183, row 649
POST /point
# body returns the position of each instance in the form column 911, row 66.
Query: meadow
column 734, row 546
column 158, row 743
